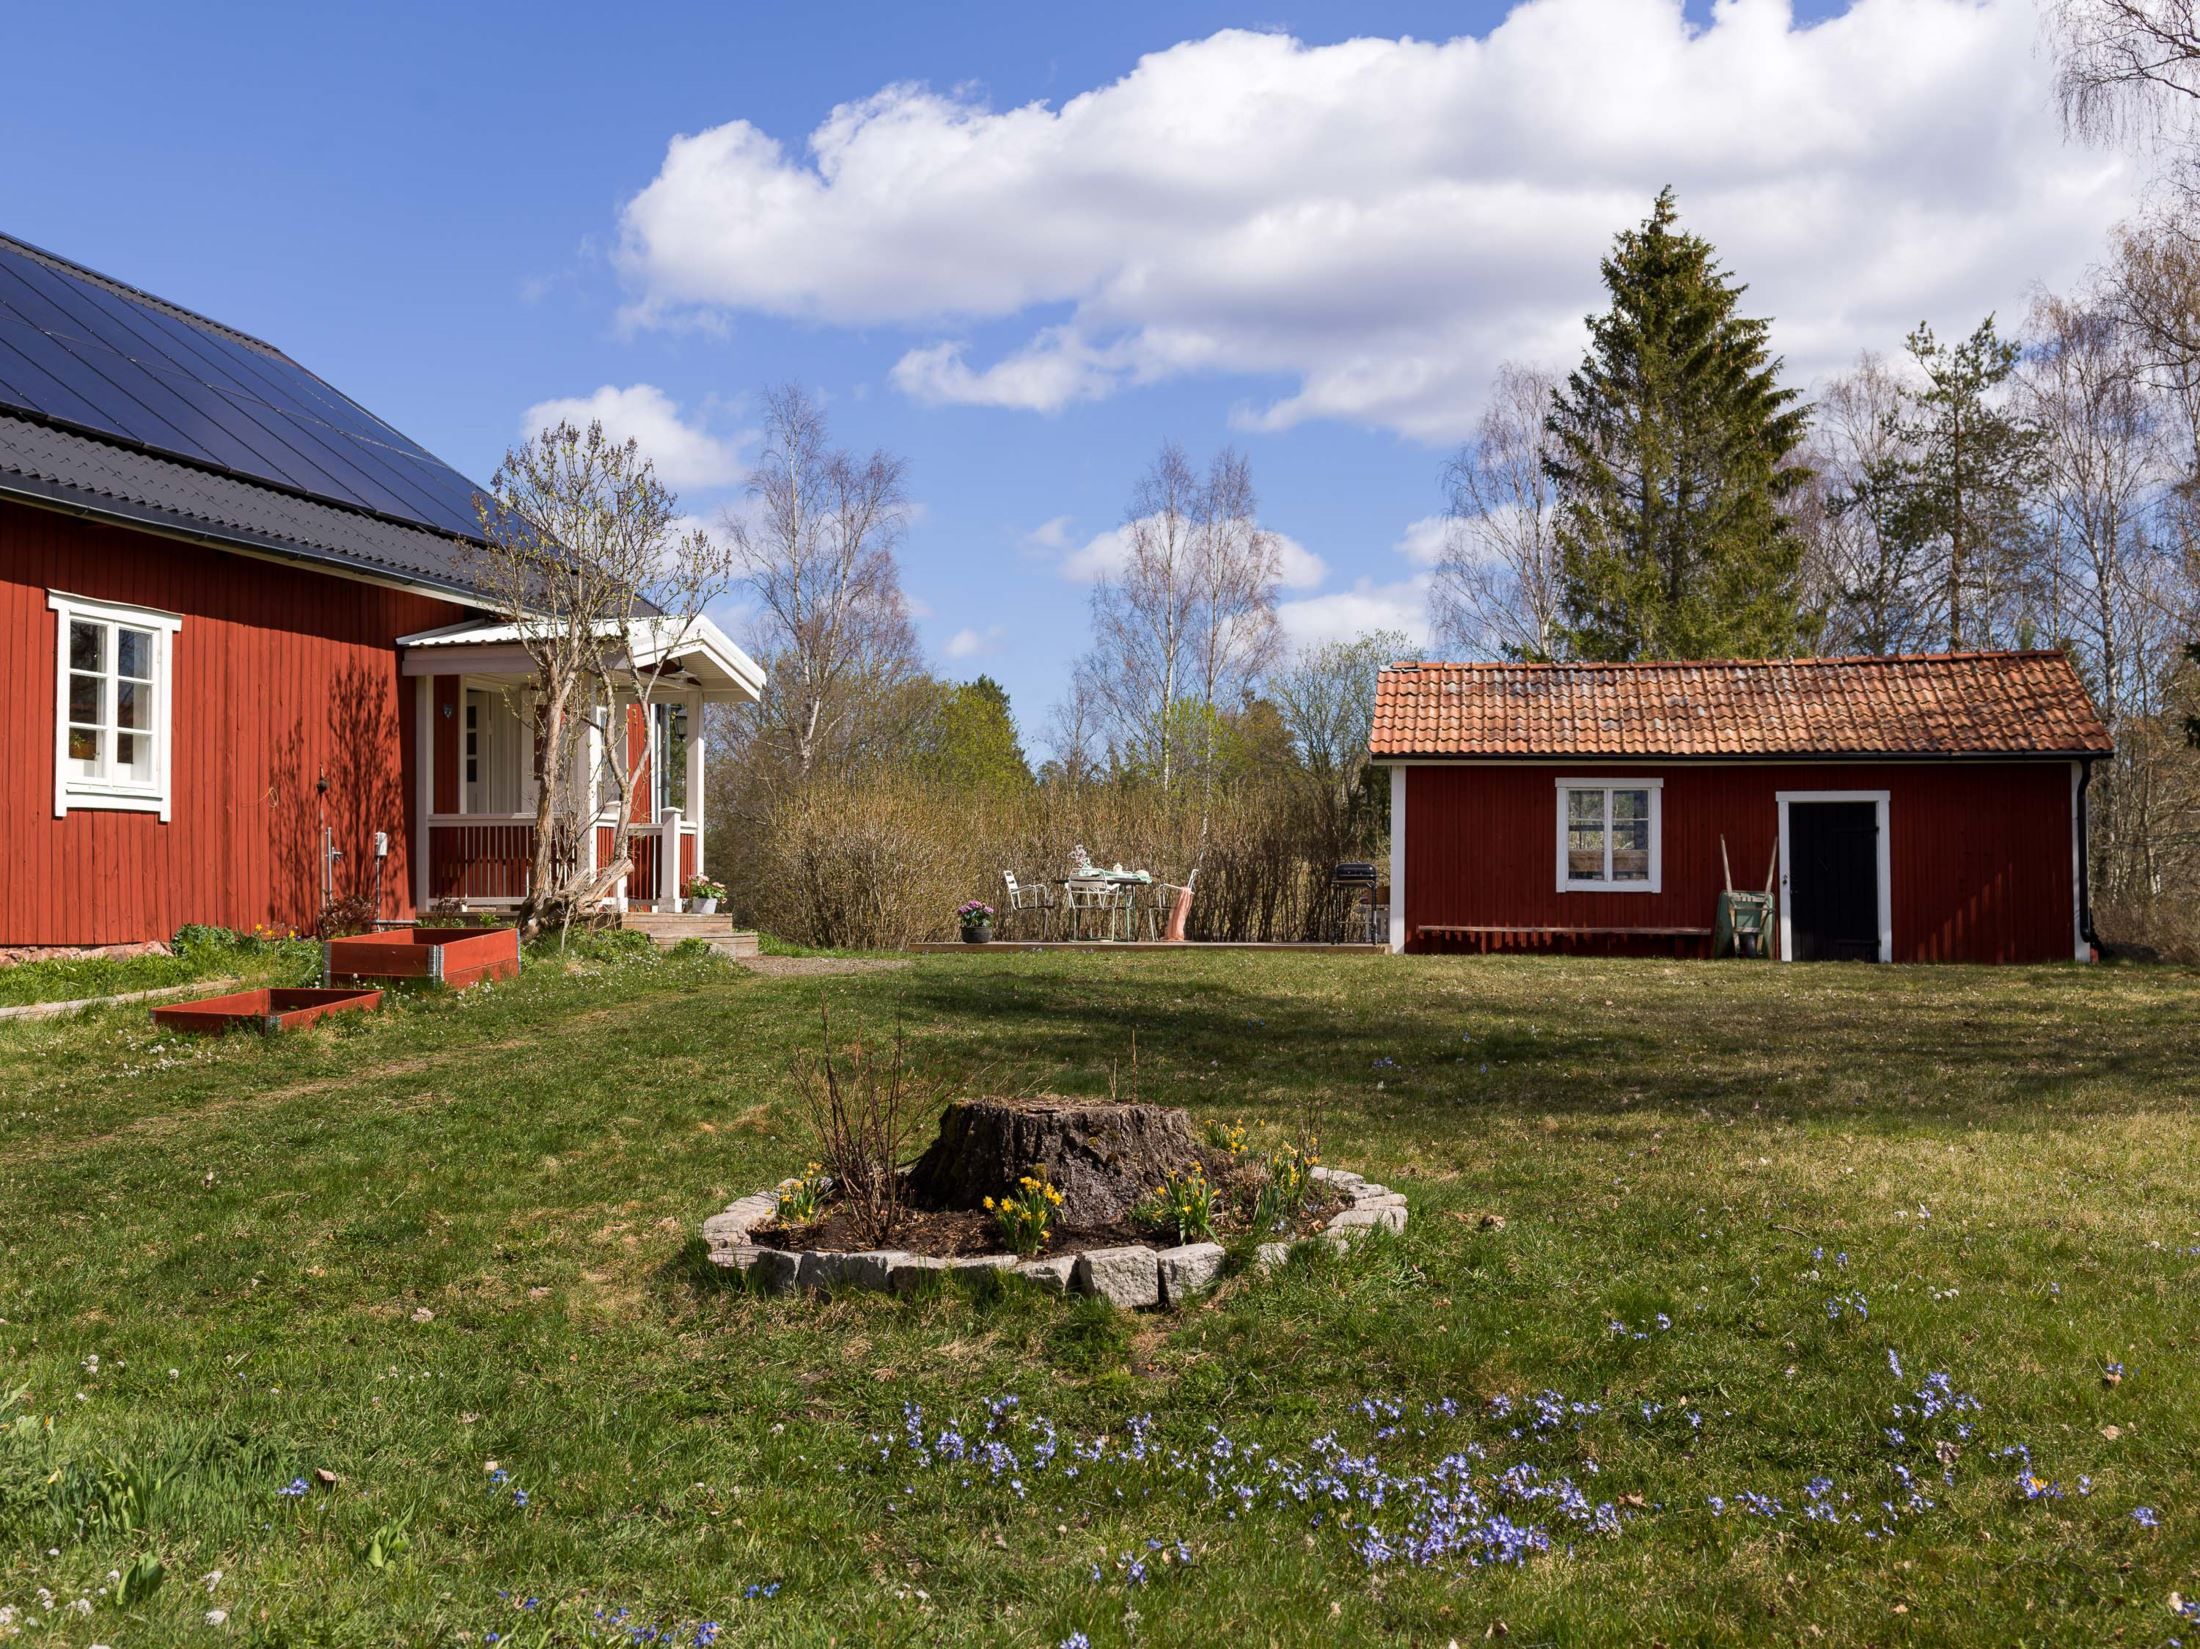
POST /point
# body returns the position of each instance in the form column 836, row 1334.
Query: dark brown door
column 1833, row 881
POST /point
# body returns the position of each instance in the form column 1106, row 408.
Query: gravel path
column 795, row 967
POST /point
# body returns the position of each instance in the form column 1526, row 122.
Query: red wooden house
column 1913, row 809
column 244, row 668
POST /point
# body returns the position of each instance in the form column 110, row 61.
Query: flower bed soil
column 953, row 1233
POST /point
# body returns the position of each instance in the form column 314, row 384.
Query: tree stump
column 1103, row 1158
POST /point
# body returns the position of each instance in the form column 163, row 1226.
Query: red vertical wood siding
column 1980, row 852
column 280, row 675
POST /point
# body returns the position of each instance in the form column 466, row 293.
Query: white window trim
column 1878, row 798
column 71, row 793
column 1566, row 882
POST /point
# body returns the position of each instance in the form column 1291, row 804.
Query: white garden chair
column 1100, row 896
column 1039, row 899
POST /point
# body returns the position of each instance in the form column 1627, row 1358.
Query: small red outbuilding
column 1925, row 808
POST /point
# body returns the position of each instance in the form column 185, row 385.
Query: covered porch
column 473, row 703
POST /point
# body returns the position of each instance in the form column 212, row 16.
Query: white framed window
column 1610, row 835
column 113, row 705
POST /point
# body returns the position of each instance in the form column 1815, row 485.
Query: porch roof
column 697, row 647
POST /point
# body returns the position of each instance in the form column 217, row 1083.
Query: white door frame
column 1878, row 798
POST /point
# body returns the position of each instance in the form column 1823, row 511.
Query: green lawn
column 215, row 956
column 462, row 1232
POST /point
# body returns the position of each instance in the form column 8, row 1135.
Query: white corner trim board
column 1884, row 869
column 1397, row 859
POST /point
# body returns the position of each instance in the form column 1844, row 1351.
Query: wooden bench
column 1515, row 937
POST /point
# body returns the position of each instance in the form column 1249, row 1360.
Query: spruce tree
column 1674, row 459
column 1973, row 465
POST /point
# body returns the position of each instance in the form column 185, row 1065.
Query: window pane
column 1630, row 804
column 1585, row 835
column 87, row 650
column 134, row 654
column 134, row 757
column 133, row 704
column 84, row 700
column 83, row 745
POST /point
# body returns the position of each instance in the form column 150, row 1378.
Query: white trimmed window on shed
column 1610, row 835
column 113, row 705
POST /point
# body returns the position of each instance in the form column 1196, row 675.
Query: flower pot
column 705, row 907
column 978, row 933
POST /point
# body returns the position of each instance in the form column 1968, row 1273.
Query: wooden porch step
column 667, row 929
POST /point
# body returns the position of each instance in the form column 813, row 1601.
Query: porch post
column 668, row 859
column 423, row 784
column 695, row 773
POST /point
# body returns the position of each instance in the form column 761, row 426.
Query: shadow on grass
column 1895, row 1047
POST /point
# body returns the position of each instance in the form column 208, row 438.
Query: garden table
column 1119, row 886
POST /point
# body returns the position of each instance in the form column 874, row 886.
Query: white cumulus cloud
column 1424, row 540
column 1105, row 554
column 686, row 454
column 1343, row 615
column 974, row 643
column 1379, row 222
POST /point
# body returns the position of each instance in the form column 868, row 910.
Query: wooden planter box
column 263, row 1011
column 456, row 957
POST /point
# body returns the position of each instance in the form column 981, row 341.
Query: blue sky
column 1312, row 250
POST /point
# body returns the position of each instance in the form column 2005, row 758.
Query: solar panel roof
column 93, row 354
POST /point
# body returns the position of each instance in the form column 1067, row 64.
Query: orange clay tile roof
column 1921, row 704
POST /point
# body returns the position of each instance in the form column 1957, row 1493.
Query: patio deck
column 942, row 947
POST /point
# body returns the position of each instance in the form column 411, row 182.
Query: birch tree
column 1499, row 583
column 584, row 556
column 815, row 546
column 1187, row 622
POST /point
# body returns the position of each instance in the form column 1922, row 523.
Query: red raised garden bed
column 456, row 957
column 263, row 1011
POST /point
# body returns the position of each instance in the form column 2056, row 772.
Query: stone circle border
column 1132, row 1277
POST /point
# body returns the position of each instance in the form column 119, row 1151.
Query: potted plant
column 976, row 917
column 704, row 894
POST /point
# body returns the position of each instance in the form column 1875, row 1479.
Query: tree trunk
column 1103, row 1158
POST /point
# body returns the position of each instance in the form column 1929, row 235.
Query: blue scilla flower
column 2145, row 1518
column 293, row 1490
column 1076, row 1640
column 519, row 1498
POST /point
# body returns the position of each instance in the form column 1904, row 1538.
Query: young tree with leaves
column 1675, row 457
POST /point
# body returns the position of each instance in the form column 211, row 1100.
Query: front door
column 1833, row 881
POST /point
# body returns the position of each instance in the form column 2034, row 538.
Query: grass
column 400, row 1248
column 74, row 978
